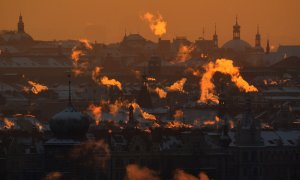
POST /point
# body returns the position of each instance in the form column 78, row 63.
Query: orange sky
column 106, row 21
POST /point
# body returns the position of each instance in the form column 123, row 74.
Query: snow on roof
column 275, row 138
column 292, row 98
column 68, row 113
column 169, row 142
column 34, row 62
column 289, row 50
column 10, row 49
column 159, row 110
column 281, row 90
column 6, row 87
column 55, row 141
column 63, row 92
column 119, row 116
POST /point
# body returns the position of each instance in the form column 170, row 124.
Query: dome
column 69, row 123
column 134, row 37
column 12, row 36
column 237, row 45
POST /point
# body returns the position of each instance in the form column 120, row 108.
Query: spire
column 268, row 47
column 70, row 91
column 224, row 139
column 257, row 38
column 215, row 28
column 215, row 37
column 248, row 131
column 132, row 123
column 144, row 98
column 20, row 24
column 203, row 33
column 236, row 29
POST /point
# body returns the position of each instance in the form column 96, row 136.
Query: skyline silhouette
column 107, row 21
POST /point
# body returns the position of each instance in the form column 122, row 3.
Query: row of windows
column 260, row 156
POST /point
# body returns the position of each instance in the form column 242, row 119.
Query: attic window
column 118, row 139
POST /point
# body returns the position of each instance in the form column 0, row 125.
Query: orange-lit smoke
column 54, row 176
column 92, row 153
column 184, row 53
column 104, row 80
column 145, row 115
column 182, row 175
column 114, row 108
column 137, row 73
column 194, row 72
column 76, row 55
column 209, row 122
column 177, row 124
column 275, row 83
column 148, row 116
column 151, row 79
column 96, row 112
column 8, row 124
column 39, row 126
column 80, row 67
column 231, row 124
column 35, row 88
column 135, row 172
column 177, row 86
column 161, row 93
column 226, row 67
column 96, row 73
column 156, row 23
column 178, row 114
column 86, row 44
column 110, row 82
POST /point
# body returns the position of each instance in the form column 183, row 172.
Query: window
column 253, row 156
column 245, row 156
column 245, row 171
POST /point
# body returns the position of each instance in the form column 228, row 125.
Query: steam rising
column 135, row 172
column 161, row 93
column 35, row 88
column 182, row 175
column 177, row 86
column 77, row 53
column 224, row 66
column 156, row 23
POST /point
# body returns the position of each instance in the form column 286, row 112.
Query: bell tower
column 257, row 39
column 21, row 24
column 236, row 29
column 268, row 47
column 215, row 37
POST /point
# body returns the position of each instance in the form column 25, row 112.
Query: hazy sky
column 106, row 20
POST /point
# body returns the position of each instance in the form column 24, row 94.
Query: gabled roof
column 34, row 62
column 291, row 62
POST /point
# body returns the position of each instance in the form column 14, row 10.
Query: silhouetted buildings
column 246, row 136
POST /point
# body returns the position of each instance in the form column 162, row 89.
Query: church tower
column 222, row 114
column 248, row 129
column 21, row 25
column 236, row 29
column 144, row 97
column 257, row 39
column 268, row 47
column 215, row 38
